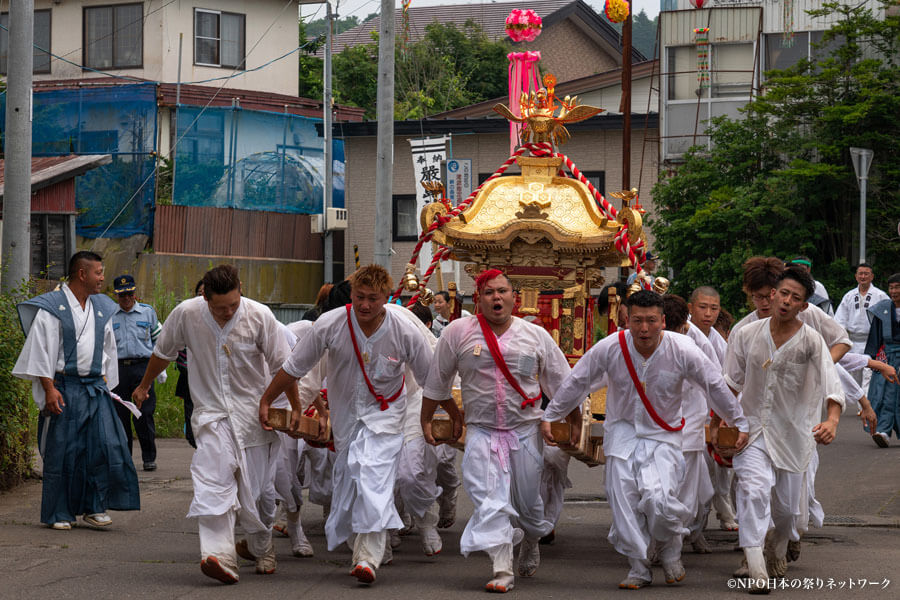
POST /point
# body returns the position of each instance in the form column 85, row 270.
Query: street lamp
column 862, row 160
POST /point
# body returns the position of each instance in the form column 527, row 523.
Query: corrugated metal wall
column 56, row 198
column 229, row 232
column 773, row 15
column 732, row 25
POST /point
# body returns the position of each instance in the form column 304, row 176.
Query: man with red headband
column 503, row 364
column 646, row 368
column 367, row 350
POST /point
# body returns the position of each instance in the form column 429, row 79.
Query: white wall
column 162, row 25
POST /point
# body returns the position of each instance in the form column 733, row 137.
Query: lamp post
column 862, row 160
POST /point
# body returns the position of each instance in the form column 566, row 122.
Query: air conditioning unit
column 334, row 218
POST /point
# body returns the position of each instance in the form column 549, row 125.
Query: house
column 53, row 209
column 196, row 103
column 746, row 39
column 570, row 28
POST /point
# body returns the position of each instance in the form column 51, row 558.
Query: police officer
column 136, row 328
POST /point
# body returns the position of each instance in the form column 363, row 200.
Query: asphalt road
column 154, row 553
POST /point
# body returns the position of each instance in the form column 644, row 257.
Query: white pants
column 815, row 514
column 447, row 477
column 696, row 490
column 416, row 475
column 554, row 482
column 287, row 484
column 504, row 498
column 365, row 471
column 643, row 496
column 316, row 468
column 369, row 547
column 230, row 483
column 722, row 479
column 766, row 495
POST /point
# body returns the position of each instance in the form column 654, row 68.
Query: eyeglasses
column 762, row 297
column 125, row 294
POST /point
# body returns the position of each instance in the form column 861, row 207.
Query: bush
column 18, row 414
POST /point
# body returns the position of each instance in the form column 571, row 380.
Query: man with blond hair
column 366, row 350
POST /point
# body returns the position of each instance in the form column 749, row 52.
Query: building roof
column 47, row 170
column 201, row 95
column 566, row 88
column 432, row 126
column 491, row 17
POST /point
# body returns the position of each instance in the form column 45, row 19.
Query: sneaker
column 364, row 573
column 98, row 519
column 674, row 571
column 633, row 583
column 881, row 439
column 265, row 564
column 500, row 584
column 61, row 526
column 220, row 569
column 150, row 466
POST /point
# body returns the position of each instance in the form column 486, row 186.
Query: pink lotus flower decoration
column 523, row 25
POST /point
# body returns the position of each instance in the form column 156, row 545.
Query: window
column 405, row 217
column 731, row 70
column 218, row 39
column 114, row 36
column 41, row 40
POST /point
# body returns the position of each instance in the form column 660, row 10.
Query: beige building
column 141, row 40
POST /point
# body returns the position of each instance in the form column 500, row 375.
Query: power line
column 193, row 122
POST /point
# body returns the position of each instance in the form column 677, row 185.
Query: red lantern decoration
column 523, row 25
column 697, row 3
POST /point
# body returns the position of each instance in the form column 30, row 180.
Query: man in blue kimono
column 885, row 331
column 70, row 357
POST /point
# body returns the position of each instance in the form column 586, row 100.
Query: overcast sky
column 361, row 8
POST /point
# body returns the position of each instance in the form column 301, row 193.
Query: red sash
column 494, row 349
column 640, row 389
column 382, row 401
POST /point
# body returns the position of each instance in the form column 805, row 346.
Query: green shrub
column 18, row 414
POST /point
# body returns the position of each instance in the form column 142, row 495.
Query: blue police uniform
column 136, row 332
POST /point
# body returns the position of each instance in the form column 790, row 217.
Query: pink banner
column 523, row 77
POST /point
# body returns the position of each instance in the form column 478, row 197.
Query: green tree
column 779, row 181
column 311, row 67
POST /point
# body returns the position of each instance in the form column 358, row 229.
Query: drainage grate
column 842, row 520
column 583, row 499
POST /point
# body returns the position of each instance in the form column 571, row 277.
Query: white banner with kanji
column 427, row 154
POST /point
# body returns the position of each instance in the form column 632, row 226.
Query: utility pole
column 327, row 238
column 384, row 160
column 17, row 142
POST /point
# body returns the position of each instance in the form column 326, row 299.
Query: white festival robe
column 852, row 314
column 42, row 355
column 783, row 391
column 367, row 440
column 231, row 367
column 644, row 461
column 502, row 460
